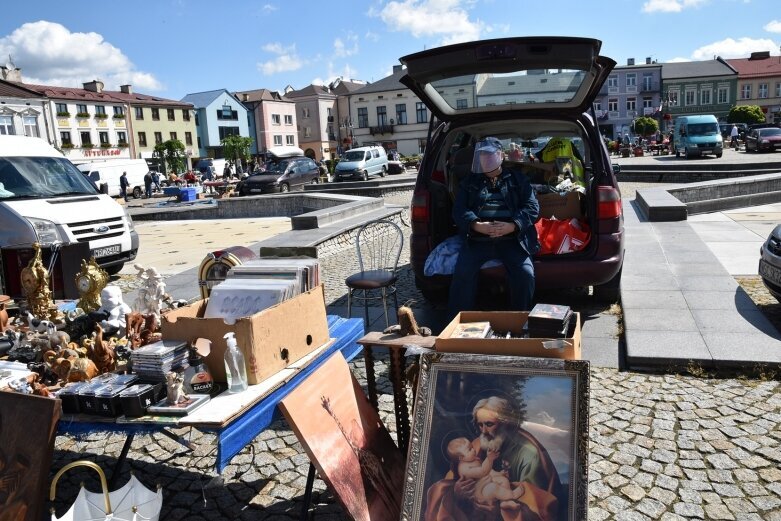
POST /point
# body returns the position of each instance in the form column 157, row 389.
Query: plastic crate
column 187, row 194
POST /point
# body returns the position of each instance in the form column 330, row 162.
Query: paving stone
column 718, row 512
column 689, row 510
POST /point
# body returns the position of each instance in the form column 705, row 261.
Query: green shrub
column 82, row 114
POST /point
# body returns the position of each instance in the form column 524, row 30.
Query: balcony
column 381, row 129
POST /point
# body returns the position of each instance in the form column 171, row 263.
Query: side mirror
column 616, row 168
column 104, row 188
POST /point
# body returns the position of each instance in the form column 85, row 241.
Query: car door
column 751, row 140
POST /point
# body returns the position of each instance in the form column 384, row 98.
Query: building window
column 612, row 81
column 227, row 114
column 173, row 135
column 81, row 109
column 705, row 97
column 171, row 115
column 421, row 114
column 188, row 138
column 186, row 115
column 305, row 112
column 31, row 126
column 648, row 102
column 62, row 108
column 277, row 140
column 598, row 106
column 762, row 92
column 461, row 104
column 158, row 137
column 156, row 114
column 778, row 90
column 363, row 117
column 275, row 119
column 197, row 123
column 65, row 137
column 86, row 138
column 142, row 139
column 672, row 97
column 289, row 119
column 631, row 80
column 199, row 141
column 228, row 131
column 401, row 114
column 631, row 104
column 723, row 95
column 382, row 116
column 103, row 137
column 119, row 111
column 139, row 112
column 690, row 97
column 121, row 138
column 6, row 125
column 290, row 140
column 612, row 105
column 647, row 81
column 307, row 131
column 745, row 91
column 100, row 109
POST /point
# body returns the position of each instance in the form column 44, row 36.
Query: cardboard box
column 506, row 321
column 270, row 340
column 561, row 206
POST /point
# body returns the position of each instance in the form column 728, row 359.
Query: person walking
column 148, row 185
column 733, row 135
column 123, row 184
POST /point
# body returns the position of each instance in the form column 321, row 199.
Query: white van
column 45, row 199
column 361, row 163
column 109, row 171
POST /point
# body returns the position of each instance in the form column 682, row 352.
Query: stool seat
column 372, row 279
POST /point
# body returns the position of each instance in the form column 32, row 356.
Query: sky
column 170, row 48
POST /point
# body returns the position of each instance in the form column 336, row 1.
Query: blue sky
column 174, row 47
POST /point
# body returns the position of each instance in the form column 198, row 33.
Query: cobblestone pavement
column 667, row 447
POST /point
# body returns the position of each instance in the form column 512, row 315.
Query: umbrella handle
column 82, row 463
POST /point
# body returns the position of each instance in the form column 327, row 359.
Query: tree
column 236, row 148
column 646, row 126
column 748, row 114
column 172, row 154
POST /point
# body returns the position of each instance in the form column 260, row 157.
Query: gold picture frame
column 498, row 437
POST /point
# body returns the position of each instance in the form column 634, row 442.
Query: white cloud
column 269, row 8
column 374, row 37
column 346, row 73
column 447, row 19
column 286, row 60
column 48, row 53
column 670, row 6
column 731, row 48
column 342, row 49
column 773, row 26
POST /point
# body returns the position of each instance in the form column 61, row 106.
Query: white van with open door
column 44, row 198
column 109, row 171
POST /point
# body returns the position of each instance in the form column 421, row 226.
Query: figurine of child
column 152, row 292
column 113, row 304
column 491, row 485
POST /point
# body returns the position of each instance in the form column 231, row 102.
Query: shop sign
column 102, row 152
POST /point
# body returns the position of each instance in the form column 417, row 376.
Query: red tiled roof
column 757, row 68
column 14, row 90
column 108, row 96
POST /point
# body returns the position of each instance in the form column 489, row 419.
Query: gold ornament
column 35, row 282
column 90, row 281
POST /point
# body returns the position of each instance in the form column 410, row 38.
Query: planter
column 101, row 116
column 82, row 114
column 63, row 114
column 123, row 145
column 105, row 145
column 87, row 146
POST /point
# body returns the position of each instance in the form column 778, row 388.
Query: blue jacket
column 519, row 197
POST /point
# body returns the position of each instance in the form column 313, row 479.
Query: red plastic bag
column 562, row 236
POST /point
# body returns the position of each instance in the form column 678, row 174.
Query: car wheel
column 315, row 180
column 365, row 175
column 115, row 269
column 610, row 291
column 383, row 171
column 137, row 193
column 718, row 155
column 284, row 187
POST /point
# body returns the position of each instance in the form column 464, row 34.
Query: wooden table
column 396, row 345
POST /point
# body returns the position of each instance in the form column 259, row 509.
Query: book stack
column 549, row 321
column 152, row 362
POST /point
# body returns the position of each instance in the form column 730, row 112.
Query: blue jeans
column 520, row 272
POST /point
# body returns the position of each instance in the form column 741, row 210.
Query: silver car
column 770, row 262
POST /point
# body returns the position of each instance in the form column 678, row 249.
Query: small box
column 70, row 397
column 270, row 340
column 513, row 321
column 136, row 398
column 107, row 400
column 187, row 194
column 87, row 403
column 561, row 206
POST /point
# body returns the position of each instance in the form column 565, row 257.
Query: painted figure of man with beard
column 523, row 460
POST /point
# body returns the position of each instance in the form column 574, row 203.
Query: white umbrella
column 132, row 502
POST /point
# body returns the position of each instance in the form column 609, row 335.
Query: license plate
column 770, row 272
column 105, row 251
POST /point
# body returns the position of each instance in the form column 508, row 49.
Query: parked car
column 361, row 163
column 763, row 139
column 770, row 263
column 281, row 176
column 512, row 106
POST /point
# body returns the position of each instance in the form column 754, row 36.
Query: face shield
column 488, row 155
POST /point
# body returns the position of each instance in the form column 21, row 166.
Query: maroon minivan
column 524, row 91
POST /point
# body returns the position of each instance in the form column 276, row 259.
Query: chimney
column 94, row 86
column 245, row 97
column 648, row 60
column 630, row 61
column 10, row 72
column 760, row 55
column 126, row 89
column 396, row 68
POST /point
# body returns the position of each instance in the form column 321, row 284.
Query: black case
column 70, row 397
column 87, row 403
column 136, row 398
column 107, row 400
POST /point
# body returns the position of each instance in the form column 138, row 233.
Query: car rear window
column 770, row 132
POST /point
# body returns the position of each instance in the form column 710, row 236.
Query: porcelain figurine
column 90, row 282
column 114, row 305
column 58, row 340
column 152, row 292
column 141, row 329
column 102, row 352
column 175, row 388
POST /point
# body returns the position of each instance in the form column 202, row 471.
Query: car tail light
column 608, row 202
column 438, row 176
column 420, row 207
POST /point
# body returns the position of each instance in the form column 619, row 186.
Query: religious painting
column 28, row 427
column 346, row 441
column 498, row 438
